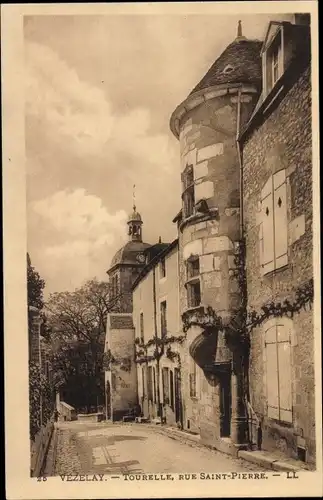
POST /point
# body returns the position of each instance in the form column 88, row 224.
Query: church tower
column 119, row 364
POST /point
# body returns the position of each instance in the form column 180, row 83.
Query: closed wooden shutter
column 272, row 381
column 280, row 219
column 285, row 373
column 267, row 227
column 279, row 372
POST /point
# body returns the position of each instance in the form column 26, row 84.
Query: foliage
column 78, row 323
column 204, row 317
column 109, row 361
column 35, row 287
column 40, row 399
column 159, row 351
column 304, row 295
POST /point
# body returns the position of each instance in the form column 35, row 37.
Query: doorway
column 225, row 404
column 178, row 404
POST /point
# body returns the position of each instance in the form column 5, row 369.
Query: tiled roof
column 128, row 253
column 243, row 56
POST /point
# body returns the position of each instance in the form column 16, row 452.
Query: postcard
column 161, row 250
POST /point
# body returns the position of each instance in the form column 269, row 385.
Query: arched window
column 278, row 364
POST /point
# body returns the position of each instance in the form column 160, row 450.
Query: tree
column 35, row 286
column 40, row 393
column 78, row 323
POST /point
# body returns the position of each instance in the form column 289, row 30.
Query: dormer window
column 275, row 60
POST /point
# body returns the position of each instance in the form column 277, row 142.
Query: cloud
column 79, row 214
column 81, row 116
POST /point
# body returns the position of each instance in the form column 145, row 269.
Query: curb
column 267, row 461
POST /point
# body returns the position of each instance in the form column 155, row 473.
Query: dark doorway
column 225, row 404
column 178, row 405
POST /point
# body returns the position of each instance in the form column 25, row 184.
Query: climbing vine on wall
column 159, row 351
column 204, row 317
column 109, row 360
column 304, row 296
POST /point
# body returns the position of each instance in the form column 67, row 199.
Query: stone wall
column 122, row 374
column 283, row 141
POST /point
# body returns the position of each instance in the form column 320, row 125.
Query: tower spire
column 134, row 198
column 239, row 34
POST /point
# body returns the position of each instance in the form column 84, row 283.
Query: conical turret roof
column 240, row 62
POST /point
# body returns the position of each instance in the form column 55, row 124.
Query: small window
column 275, row 64
column 142, row 335
column 194, row 294
column 273, row 61
column 163, row 319
column 228, row 69
column 193, row 267
column 162, row 268
column 188, row 191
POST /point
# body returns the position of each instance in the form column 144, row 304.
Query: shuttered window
column 150, row 383
column 165, row 377
column 278, row 371
column 273, row 229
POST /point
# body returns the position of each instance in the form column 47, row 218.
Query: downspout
column 245, row 353
column 156, row 339
column 242, row 357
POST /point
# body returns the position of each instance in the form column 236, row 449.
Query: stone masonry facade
column 283, row 141
column 223, row 333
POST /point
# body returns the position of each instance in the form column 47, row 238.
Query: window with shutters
column 278, row 341
column 165, row 378
column 143, row 381
column 171, row 387
column 150, row 383
column 154, row 382
column 188, row 191
column 273, row 227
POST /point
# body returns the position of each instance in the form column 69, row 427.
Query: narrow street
column 125, row 449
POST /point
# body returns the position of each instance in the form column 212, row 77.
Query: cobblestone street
column 120, row 448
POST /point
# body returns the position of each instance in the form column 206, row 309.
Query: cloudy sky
column 99, row 94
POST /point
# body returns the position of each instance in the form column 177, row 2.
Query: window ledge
column 199, row 217
column 192, row 280
column 274, row 272
column 194, row 309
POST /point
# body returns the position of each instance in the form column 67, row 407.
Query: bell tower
column 135, row 223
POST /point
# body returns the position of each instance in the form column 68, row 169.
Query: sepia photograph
column 170, row 251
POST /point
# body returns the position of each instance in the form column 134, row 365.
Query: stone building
column 276, row 146
column 245, row 263
column 234, row 363
column 119, row 362
column 158, row 336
